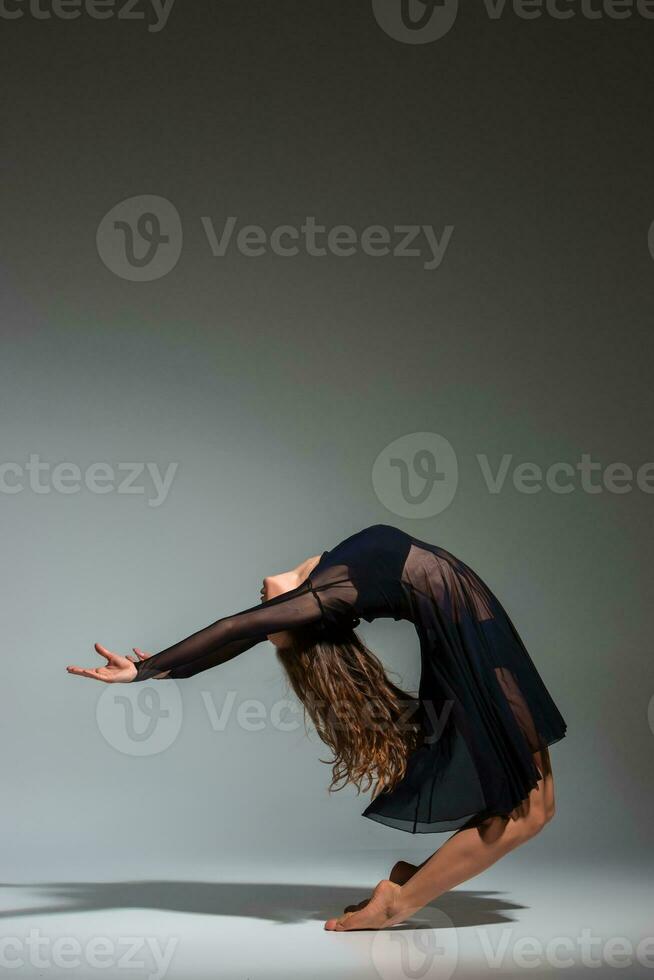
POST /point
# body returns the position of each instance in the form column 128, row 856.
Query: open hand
column 118, row 669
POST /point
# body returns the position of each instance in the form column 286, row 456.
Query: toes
column 338, row 925
column 349, row 921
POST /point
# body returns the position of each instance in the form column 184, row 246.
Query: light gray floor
column 524, row 916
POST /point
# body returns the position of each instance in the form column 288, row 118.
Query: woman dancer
column 468, row 754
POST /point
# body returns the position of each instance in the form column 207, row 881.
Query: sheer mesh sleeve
column 231, row 635
column 327, row 599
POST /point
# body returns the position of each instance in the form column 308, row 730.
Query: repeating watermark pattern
column 407, row 955
column 154, row 12
column 563, row 477
column 141, row 239
column 417, row 475
column 424, row 21
column 286, row 716
column 39, row 476
column 417, row 954
column 252, row 715
column 140, row 719
column 501, row 951
column 42, row 952
column 146, row 718
column 416, row 21
column 401, row 241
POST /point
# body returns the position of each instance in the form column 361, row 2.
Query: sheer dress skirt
column 484, row 708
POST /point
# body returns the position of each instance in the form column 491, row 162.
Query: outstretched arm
column 231, row 635
column 217, row 643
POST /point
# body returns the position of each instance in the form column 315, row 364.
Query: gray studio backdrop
column 275, row 272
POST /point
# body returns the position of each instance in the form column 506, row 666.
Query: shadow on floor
column 276, row 902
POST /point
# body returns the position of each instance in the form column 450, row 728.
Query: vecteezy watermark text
column 561, row 952
column 417, row 475
column 141, row 239
column 406, row 954
column 41, row 477
column 567, row 9
column 127, row 953
column 424, row 21
column 342, row 241
column 130, row 10
column 146, row 719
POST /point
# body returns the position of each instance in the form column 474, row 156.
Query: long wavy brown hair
column 367, row 721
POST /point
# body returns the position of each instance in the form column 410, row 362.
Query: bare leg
column 464, row 855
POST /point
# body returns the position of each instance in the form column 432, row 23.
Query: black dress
column 482, row 706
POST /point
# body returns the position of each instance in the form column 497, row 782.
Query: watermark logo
column 416, row 475
column 417, row 954
column 41, row 477
column 416, row 21
column 423, row 21
column 141, row 238
column 145, row 718
column 311, row 238
column 569, row 9
column 143, row 956
column 140, row 719
column 252, row 715
column 156, row 12
column 503, row 950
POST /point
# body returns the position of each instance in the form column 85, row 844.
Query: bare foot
column 381, row 911
column 400, row 873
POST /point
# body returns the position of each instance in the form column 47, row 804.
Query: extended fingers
column 107, row 654
column 85, row 672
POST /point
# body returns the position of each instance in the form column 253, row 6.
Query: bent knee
column 534, row 819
